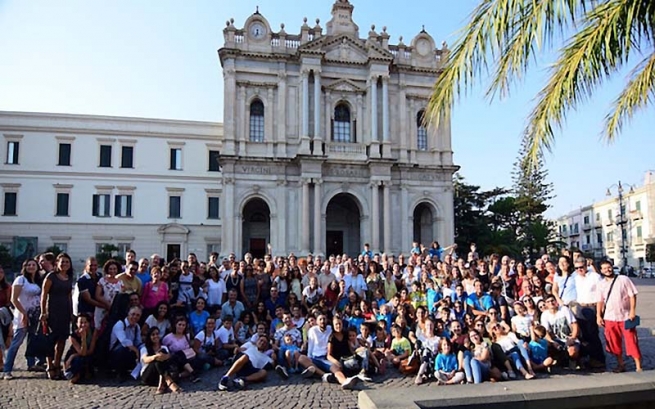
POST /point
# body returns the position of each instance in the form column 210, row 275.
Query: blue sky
column 158, row 59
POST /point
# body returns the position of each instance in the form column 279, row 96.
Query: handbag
column 41, row 342
column 189, row 353
column 630, row 324
column 350, row 363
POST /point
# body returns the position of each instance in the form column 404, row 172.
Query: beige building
column 322, row 149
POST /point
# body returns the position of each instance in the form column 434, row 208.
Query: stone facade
column 322, row 149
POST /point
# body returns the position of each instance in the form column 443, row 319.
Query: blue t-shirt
column 432, row 296
column 483, row 303
column 355, row 322
column 198, row 321
column 567, row 291
column 445, row 362
column 435, row 252
column 144, row 277
column 538, row 350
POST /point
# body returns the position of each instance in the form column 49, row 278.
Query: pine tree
column 532, row 192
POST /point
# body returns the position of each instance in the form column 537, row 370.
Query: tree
column 54, row 250
column 600, row 38
column 107, row 252
column 6, row 260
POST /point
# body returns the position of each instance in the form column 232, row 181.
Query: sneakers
column 282, row 371
column 309, row 372
column 419, row 380
column 329, row 378
column 193, row 378
column 512, row 375
column 350, row 383
column 8, row 376
column 239, row 383
column 363, row 377
column 224, row 383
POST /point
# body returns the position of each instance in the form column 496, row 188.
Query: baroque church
column 322, row 148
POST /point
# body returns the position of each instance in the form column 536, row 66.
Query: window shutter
column 96, row 205
column 128, row 211
column 173, row 159
column 117, row 205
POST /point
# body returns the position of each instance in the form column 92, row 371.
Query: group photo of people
column 440, row 315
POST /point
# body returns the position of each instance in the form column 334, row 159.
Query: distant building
column 322, row 148
column 596, row 229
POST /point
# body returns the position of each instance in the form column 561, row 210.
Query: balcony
column 564, row 233
column 609, row 221
column 575, row 233
column 636, row 215
column 346, row 151
column 586, row 226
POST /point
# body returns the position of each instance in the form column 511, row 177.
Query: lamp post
column 622, row 222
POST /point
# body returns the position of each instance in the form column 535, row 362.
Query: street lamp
column 622, row 221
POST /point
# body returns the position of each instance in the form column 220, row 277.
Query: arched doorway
column 342, row 225
column 256, row 227
column 424, row 228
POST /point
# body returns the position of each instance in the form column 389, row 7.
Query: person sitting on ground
column 446, row 366
column 400, row 347
column 79, row 358
column 159, row 319
column 125, row 342
column 248, row 366
column 279, row 345
column 513, row 349
column 338, row 349
column 562, row 328
column 178, row 343
column 205, row 344
column 226, row 340
column 479, row 302
column 539, row 349
column 156, row 364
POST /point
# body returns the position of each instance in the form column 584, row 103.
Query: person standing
column 616, row 309
column 586, row 284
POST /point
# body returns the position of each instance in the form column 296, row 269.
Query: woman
column 513, row 349
column 215, row 289
column 198, row 318
column 296, row 282
column 57, row 309
column 179, row 345
column 25, row 296
column 477, row 366
column 428, row 350
column 530, row 305
column 331, row 295
column 159, row 319
column 107, row 288
column 282, row 282
column 311, row 294
column 564, row 282
column 264, row 276
column 373, row 280
column 5, row 303
column 205, row 345
column 79, row 358
column 390, row 288
column 156, row 364
column 468, row 281
column 244, row 328
column 261, row 313
column 249, row 288
column 154, row 292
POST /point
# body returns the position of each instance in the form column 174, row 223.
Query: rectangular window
column 62, row 204
column 176, row 159
column 599, row 238
column 64, row 154
column 638, row 205
column 597, row 217
column 123, row 205
column 587, row 239
column 211, row 247
column 212, row 206
column 213, row 161
column 12, row 152
column 105, row 156
column 127, row 159
column 586, row 220
column 101, row 205
column 10, row 204
column 61, row 246
column 101, row 246
column 639, row 232
column 609, row 214
column 610, row 237
column 123, row 248
column 174, row 207
column 577, row 228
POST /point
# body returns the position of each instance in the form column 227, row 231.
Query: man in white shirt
column 248, row 366
column 587, row 296
column 124, row 343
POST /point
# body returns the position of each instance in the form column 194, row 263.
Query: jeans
column 475, row 371
column 16, row 342
column 515, row 358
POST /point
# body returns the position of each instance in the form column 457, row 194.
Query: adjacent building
column 598, row 229
column 322, row 148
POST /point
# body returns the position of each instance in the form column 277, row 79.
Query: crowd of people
column 344, row 319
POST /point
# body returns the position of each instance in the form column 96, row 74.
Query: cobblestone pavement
column 32, row 390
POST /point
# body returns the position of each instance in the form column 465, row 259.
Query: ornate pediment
column 345, row 49
column 344, row 85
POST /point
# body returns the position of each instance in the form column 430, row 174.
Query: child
column 291, row 352
column 385, row 317
column 539, row 349
column 400, row 346
column 381, row 344
column 417, row 295
column 446, row 366
column 521, row 322
column 433, row 296
column 357, row 319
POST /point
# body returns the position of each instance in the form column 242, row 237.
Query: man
column 85, row 289
column 499, row 301
column 225, row 269
column 131, row 283
column 248, row 366
column 316, row 361
column 232, row 307
column 130, row 256
column 615, row 308
column 540, row 269
column 125, row 342
column 586, row 284
column 561, row 326
column 367, row 251
column 326, row 276
column 274, row 301
column 213, row 259
column 296, row 336
column 479, row 301
column 143, row 272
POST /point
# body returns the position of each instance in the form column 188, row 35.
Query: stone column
column 281, row 114
column 304, row 133
column 403, row 119
column 229, row 112
column 405, row 239
column 228, row 242
column 386, row 147
column 242, row 117
column 269, row 111
column 386, row 203
column 328, row 116
column 374, row 150
column 305, row 217
column 375, row 216
column 281, row 193
column 318, row 228
column 318, row 147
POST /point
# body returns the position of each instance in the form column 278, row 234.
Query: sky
column 158, row 59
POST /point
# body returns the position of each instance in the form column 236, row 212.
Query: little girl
column 244, row 328
column 521, row 322
column 446, row 367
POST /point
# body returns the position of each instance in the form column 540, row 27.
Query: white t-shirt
column 317, row 341
column 215, row 291
column 30, row 298
column 559, row 323
column 225, row 335
column 587, row 288
column 312, row 296
column 164, row 326
column 257, row 358
column 207, row 341
column 522, row 325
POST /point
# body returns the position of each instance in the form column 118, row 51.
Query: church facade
column 322, row 148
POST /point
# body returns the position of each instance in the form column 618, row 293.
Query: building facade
column 598, row 228
column 322, row 148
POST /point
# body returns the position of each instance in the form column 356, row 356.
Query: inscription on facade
column 347, row 172
column 256, row 170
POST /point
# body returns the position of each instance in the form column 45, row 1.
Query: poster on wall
column 24, row 248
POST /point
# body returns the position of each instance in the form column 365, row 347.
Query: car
column 647, row 272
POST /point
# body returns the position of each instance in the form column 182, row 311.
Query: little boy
column 291, row 352
column 400, row 346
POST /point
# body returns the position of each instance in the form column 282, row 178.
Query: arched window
column 421, row 132
column 256, row 121
column 341, row 129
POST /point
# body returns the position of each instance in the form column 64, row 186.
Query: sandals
column 161, row 391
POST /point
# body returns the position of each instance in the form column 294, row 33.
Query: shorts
column 615, row 333
column 322, row 363
column 247, row 369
